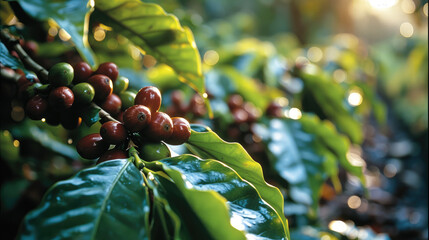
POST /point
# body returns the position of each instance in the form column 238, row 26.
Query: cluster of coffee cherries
column 143, row 123
column 69, row 89
column 195, row 108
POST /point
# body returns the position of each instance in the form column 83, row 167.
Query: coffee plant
column 110, row 112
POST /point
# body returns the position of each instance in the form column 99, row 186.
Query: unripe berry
column 61, row 74
column 127, row 99
column 112, row 104
column 113, row 132
column 82, row 71
column 160, row 128
column 103, row 86
column 112, row 154
column 92, row 146
column 109, row 69
column 61, row 98
column 137, row 117
column 36, row 108
column 154, row 151
column 150, row 97
column 84, row 93
column 120, row 85
column 181, row 131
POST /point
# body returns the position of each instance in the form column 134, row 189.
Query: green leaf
column 201, row 181
column 329, row 97
column 8, row 151
column 8, row 60
column 90, row 115
column 30, row 130
column 108, row 201
column 291, row 150
column 187, row 224
column 157, row 33
column 332, row 141
column 208, row 144
column 71, row 15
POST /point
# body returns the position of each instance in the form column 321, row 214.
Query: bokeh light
column 382, row 4
column 355, row 98
column 64, row 35
column 211, row 57
column 354, row 202
column 406, row 29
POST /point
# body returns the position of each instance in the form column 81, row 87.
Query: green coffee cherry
column 120, row 85
column 61, row 74
column 84, row 93
column 127, row 99
column 154, row 151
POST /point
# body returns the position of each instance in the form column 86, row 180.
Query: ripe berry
column 137, row 117
column 120, row 85
column 160, row 127
column 127, row 99
column 239, row 115
column 235, row 101
column 150, row 97
column 84, row 93
column 274, row 109
column 31, row 47
column 61, row 74
column 103, row 86
column 109, row 69
column 70, row 119
column 112, row 154
column 36, row 108
column 61, row 98
column 92, row 146
column 113, row 132
column 154, row 151
column 196, row 106
column 112, row 104
column 181, row 131
column 82, row 71
column 177, row 97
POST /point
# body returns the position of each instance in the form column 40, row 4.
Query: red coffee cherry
column 36, row 108
column 112, row 154
column 252, row 112
column 177, row 97
column 92, row 146
column 112, row 104
column 239, row 115
column 160, row 128
column 181, row 131
column 113, row 132
column 109, row 69
column 82, row 71
column 103, row 86
column 274, row 109
column 235, row 101
column 150, row 97
column 61, row 98
column 120, row 117
column 196, row 106
column 137, row 117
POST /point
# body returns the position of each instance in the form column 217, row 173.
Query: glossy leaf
column 329, row 97
column 71, row 15
column 108, row 201
column 8, row 60
column 30, row 130
column 89, row 115
column 332, row 141
column 157, row 33
column 200, row 180
column 207, row 144
column 187, row 225
column 293, row 157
